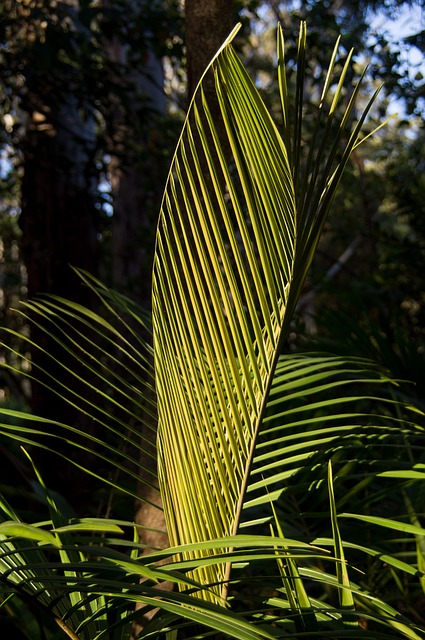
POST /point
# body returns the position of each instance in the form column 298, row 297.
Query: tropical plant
column 289, row 481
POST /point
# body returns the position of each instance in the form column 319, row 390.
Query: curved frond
column 324, row 407
column 102, row 367
column 237, row 231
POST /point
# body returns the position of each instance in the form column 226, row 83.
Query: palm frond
column 325, row 407
column 236, row 235
column 103, row 368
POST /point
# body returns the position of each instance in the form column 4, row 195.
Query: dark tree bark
column 137, row 180
column 208, row 23
column 58, row 222
column 58, row 214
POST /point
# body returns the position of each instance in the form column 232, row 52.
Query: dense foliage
column 292, row 482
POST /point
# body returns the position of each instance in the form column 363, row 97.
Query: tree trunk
column 58, row 215
column 58, row 222
column 208, row 23
column 137, row 184
column 136, row 168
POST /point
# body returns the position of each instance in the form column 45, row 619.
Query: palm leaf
column 107, row 375
column 325, row 407
column 91, row 578
column 235, row 238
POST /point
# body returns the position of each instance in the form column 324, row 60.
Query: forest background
column 93, row 96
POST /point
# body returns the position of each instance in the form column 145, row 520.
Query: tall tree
column 208, row 22
column 137, row 164
column 43, row 51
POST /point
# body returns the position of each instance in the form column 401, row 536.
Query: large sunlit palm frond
column 235, row 238
column 222, row 269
